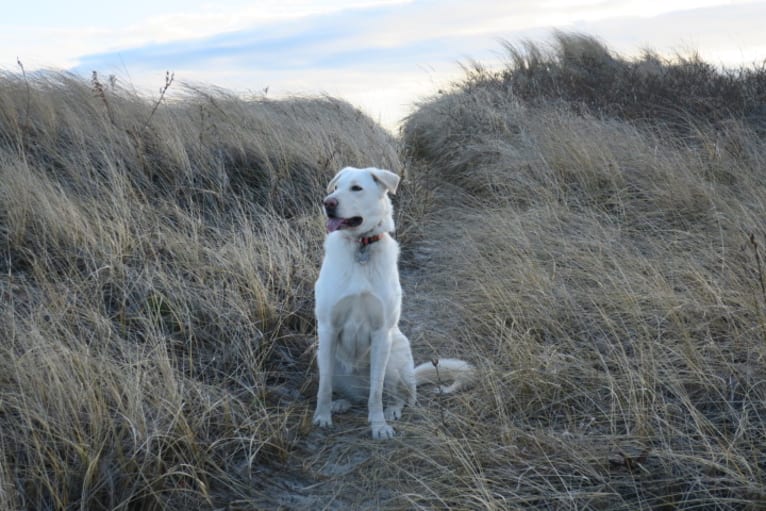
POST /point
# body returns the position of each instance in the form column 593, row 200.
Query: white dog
column 362, row 352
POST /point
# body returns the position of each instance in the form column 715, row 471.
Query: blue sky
column 381, row 55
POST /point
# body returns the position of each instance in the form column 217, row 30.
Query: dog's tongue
column 333, row 224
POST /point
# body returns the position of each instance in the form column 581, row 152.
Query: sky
column 383, row 56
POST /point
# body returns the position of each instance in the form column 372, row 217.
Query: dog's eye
column 356, row 188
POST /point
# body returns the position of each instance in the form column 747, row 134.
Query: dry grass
column 583, row 72
column 602, row 271
column 156, row 273
column 157, row 285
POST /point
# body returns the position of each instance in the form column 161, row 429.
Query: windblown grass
column 157, row 286
column 607, row 275
column 582, row 71
column 600, row 262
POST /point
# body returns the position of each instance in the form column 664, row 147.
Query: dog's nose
column 330, row 204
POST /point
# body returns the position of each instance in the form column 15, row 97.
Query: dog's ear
column 331, row 184
column 387, row 178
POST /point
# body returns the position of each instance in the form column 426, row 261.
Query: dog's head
column 359, row 202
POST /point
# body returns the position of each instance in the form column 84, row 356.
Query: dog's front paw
column 322, row 419
column 382, row 431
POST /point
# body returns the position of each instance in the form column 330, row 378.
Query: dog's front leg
column 381, row 350
column 326, row 363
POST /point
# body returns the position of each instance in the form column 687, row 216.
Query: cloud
column 729, row 35
column 380, row 57
column 400, row 35
column 59, row 34
column 383, row 55
column 352, row 37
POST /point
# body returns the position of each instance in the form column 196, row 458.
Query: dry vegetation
column 600, row 257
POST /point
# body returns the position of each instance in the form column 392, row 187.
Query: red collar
column 371, row 239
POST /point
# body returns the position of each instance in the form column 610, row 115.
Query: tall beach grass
column 598, row 255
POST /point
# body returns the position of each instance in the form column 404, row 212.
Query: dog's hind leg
column 394, row 412
column 340, row 405
column 401, row 385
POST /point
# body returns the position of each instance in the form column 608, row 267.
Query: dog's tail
column 439, row 371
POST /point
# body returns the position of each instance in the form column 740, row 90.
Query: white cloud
column 214, row 18
column 379, row 54
column 77, row 28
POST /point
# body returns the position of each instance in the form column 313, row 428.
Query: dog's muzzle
column 330, row 205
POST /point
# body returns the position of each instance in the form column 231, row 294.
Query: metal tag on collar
column 363, row 254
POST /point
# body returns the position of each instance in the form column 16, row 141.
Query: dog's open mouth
column 335, row 223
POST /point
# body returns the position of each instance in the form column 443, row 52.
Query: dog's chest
column 355, row 318
column 350, row 269
column 357, row 299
